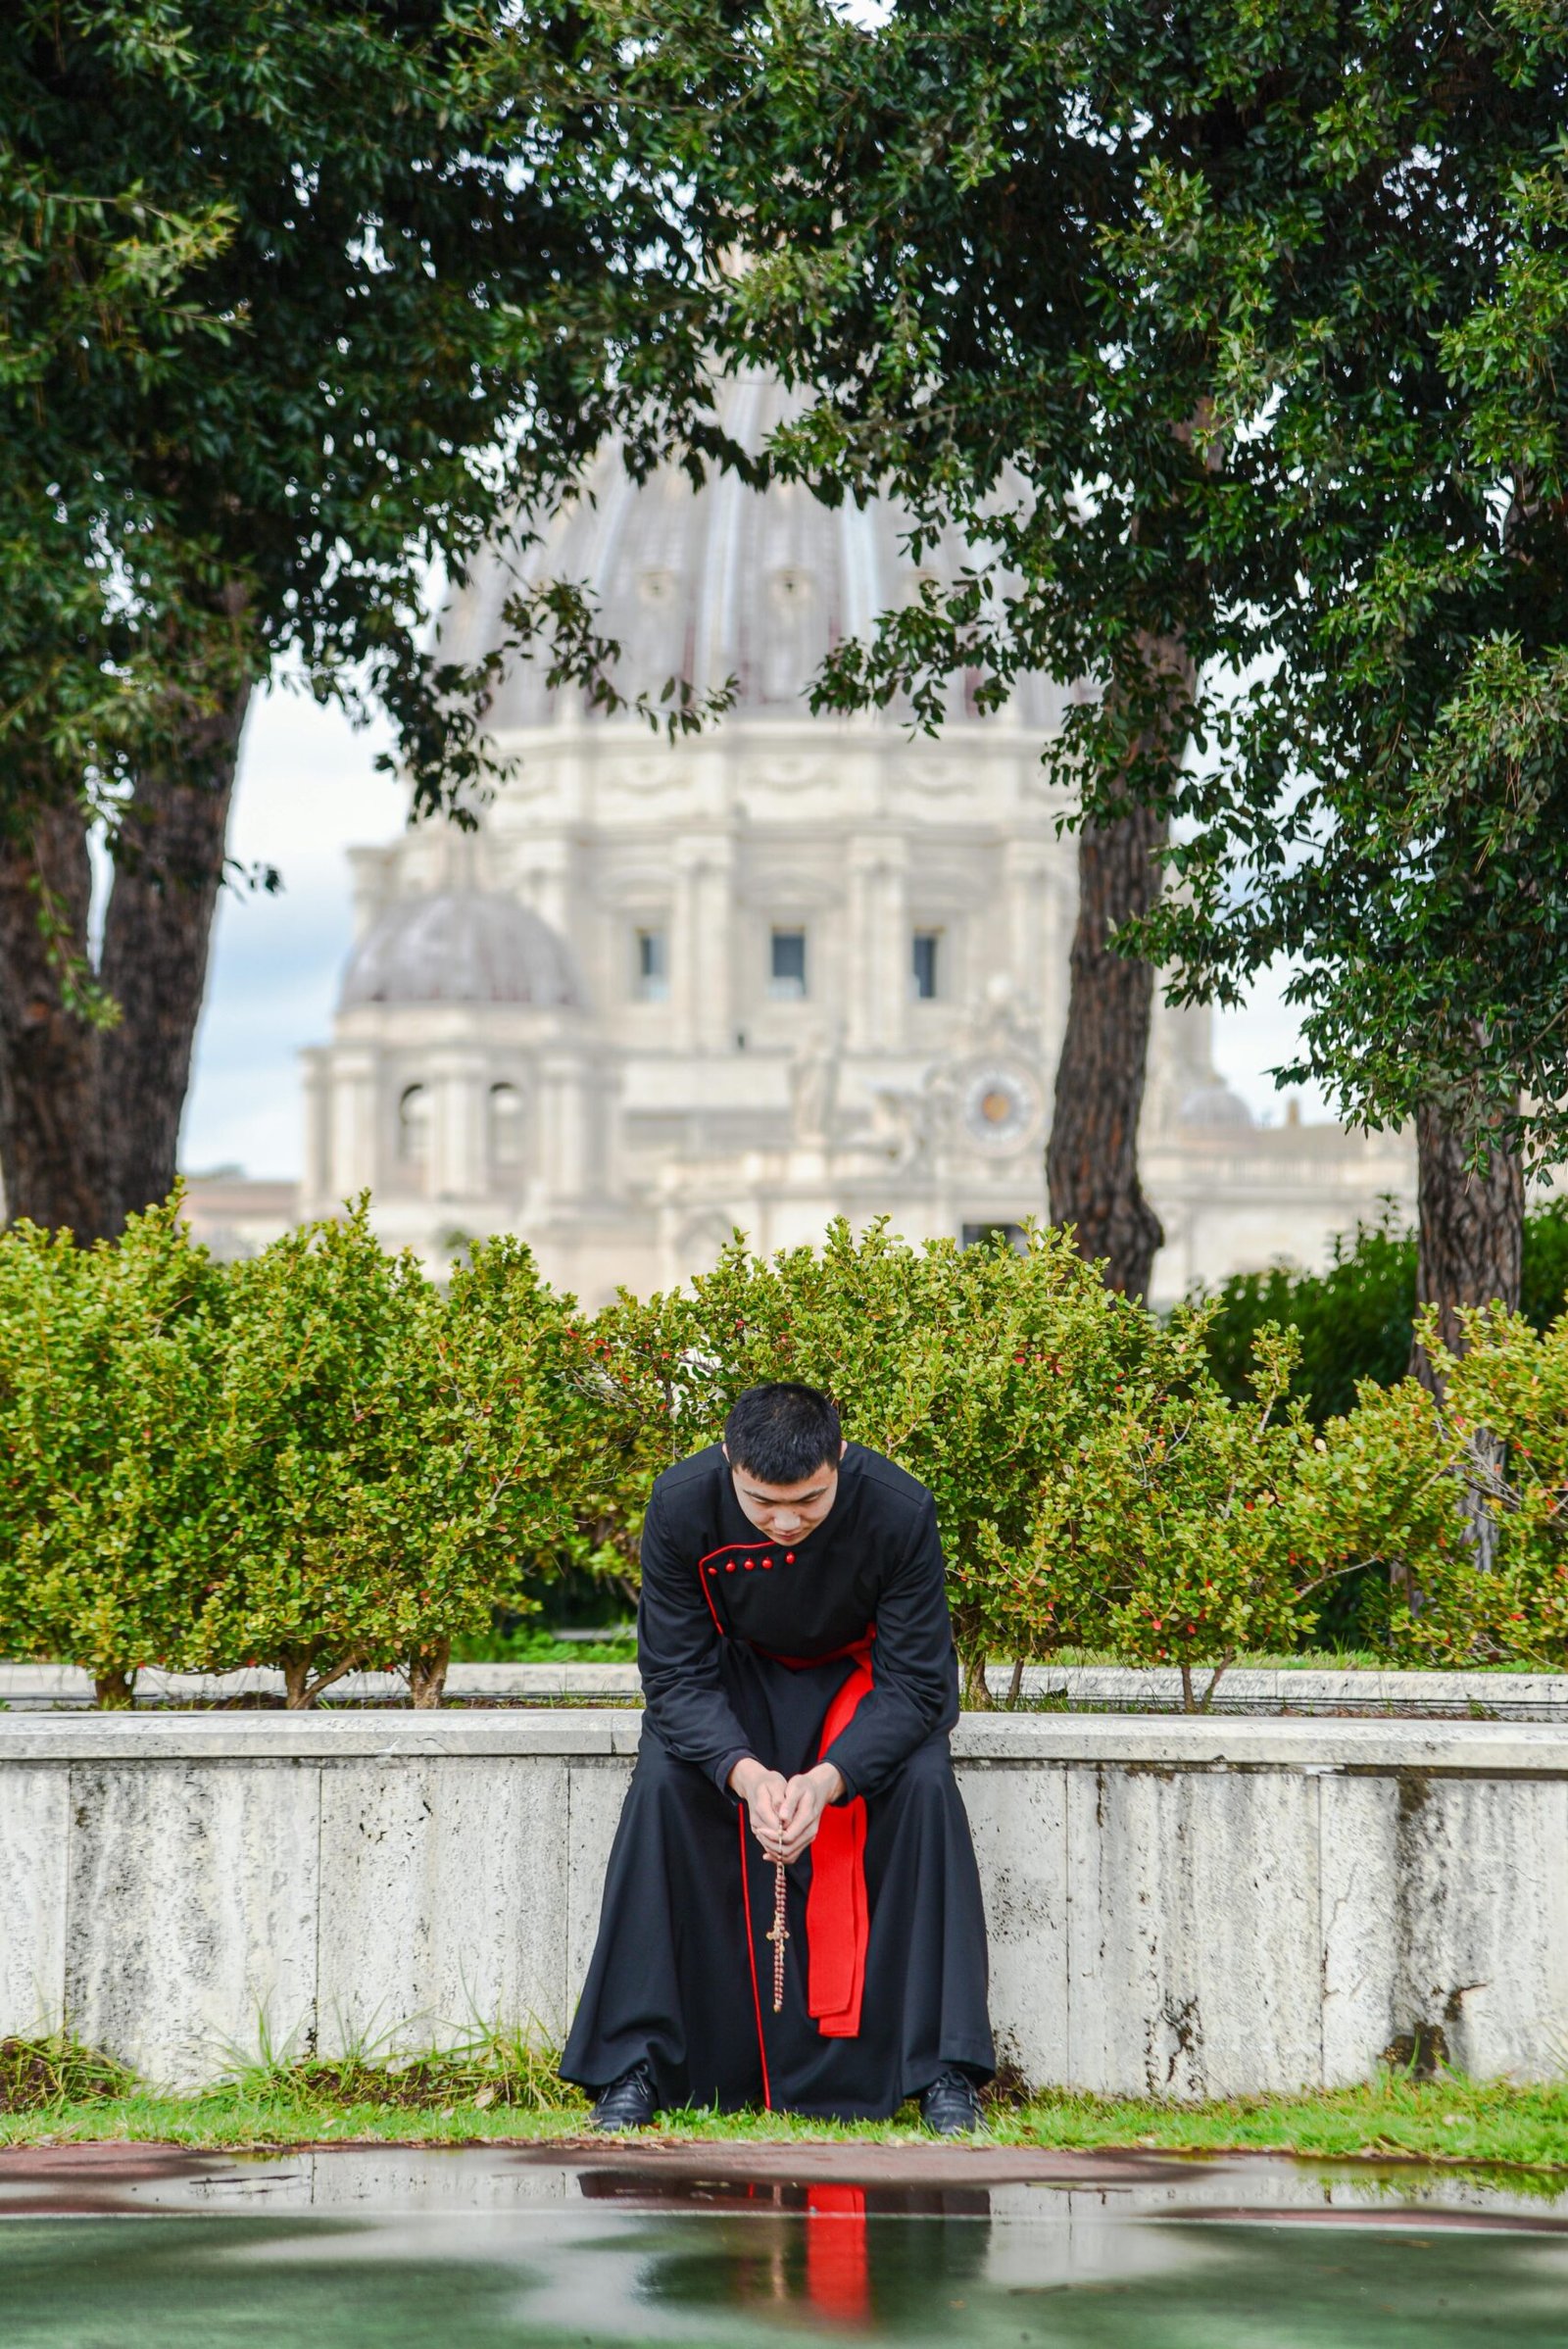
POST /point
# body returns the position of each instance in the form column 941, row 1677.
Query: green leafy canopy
column 1228, row 326
column 296, row 306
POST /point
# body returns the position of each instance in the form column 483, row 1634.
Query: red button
column 729, row 1565
column 789, row 1557
column 712, row 1569
column 749, row 1565
column 767, row 1564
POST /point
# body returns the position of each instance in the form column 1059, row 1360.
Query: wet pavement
column 346, row 2247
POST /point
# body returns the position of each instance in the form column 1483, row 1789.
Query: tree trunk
column 89, row 1118
column 1470, row 1253
column 427, row 1675
column 1091, row 1158
column 976, row 1689
column 1472, row 1231
column 53, row 1159
column 157, row 932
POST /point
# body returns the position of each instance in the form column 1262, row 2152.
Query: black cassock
column 748, row 1647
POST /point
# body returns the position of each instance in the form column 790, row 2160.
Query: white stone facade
column 790, row 969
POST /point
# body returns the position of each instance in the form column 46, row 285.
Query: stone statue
column 908, row 1126
column 1002, row 1019
column 814, row 1088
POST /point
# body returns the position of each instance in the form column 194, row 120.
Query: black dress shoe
column 949, row 2105
column 629, row 2103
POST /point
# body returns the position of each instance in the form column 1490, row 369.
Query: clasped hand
column 785, row 1813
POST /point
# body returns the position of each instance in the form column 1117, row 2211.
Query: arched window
column 505, row 1133
column 416, row 1109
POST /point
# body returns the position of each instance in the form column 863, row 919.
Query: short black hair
column 783, row 1433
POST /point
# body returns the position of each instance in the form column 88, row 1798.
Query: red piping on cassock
column 750, row 1951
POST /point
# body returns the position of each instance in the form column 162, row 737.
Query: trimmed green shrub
column 109, row 1508
column 1502, row 1430
column 1167, row 1534
column 322, row 1460
column 989, row 1375
column 317, row 1459
column 1095, row 1484
column 1357, row 1320
column 395, row 1457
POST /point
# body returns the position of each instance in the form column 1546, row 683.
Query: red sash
column 837, row 1923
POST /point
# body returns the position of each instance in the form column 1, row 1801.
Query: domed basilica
column 788, row 968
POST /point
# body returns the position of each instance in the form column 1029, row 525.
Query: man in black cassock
column 800, row 1682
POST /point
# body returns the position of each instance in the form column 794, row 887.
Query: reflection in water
column 619, row 2257
column 818, row 2250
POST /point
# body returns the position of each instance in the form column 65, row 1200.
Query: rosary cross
column 778, row 1934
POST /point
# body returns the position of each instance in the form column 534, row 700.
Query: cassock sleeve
column 678, row 1654
column 913, row 1668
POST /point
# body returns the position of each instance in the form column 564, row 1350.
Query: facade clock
column 1001, row 1105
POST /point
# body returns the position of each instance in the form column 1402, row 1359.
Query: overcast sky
column 306, row 791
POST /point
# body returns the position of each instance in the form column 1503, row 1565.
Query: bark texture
column 53, row 1154
column 1470, row 1252
column 1091, row 1156
column 89, row 1118
column 157, row 933
column 427, row 1675
column 1472, row 1231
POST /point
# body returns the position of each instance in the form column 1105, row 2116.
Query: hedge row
column 1356, row 1319
column 322, row 1460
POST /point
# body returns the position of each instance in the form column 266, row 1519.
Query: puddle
column 376, row 2248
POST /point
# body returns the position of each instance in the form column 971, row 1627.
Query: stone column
column 354, row 1143
column 573, row 1098
column 315, row 1100
column 702, row 985
column 1025, row 882
column 683, row 920
column 459, row 1154
column 877, row 973
column 859, row 949
column 1058, row 913
column 895, row 949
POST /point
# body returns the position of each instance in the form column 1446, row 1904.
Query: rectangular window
column 651, row 972
column 786, row 979
column 926, row 965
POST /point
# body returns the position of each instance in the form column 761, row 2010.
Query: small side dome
column 1215, row 1107
column 462, row 946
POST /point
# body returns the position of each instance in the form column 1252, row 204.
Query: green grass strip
column 1449, row 2119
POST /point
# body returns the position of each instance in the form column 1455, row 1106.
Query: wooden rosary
column 778, row 1934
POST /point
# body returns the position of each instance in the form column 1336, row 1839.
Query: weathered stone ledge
column 1175, row 1741
column 1502, row 1695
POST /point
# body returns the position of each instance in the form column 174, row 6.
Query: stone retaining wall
column 1244, row 1689
column 1189, row 1907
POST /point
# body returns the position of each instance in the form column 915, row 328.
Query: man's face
column 787, row 1512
